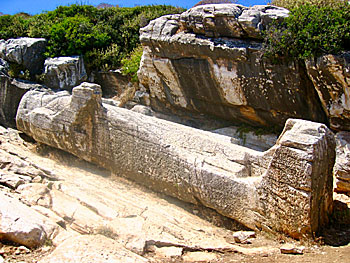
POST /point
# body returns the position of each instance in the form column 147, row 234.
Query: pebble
column 292, row 249
column 244, row 237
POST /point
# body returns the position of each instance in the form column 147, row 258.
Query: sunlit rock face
column 331, row 77
column 25, row 51
column 209, row 60
column 287, row 188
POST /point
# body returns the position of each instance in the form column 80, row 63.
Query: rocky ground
column 80, row 213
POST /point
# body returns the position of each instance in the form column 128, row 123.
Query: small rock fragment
column 37, row 179
column 292, row 249
column 22, row 250
column 169, row 252
column 199, row 257
column 244, row 237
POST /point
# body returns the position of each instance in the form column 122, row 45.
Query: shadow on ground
column 338, row 232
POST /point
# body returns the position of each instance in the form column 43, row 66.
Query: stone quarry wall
column 287, row 188
column 209, row 60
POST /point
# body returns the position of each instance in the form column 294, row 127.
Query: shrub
column 130, row 65
column 104, row 36
column 207, row 2
column 291, row 4
column 309, row 31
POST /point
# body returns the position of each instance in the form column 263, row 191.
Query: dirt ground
column 332, row 245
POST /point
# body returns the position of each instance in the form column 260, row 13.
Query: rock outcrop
column 28, row 52
column 286, row 189
column 342, row 166
column 22, row 225
column 331, row 77
column 209, row 60
column 11, row 92
column 64, row 72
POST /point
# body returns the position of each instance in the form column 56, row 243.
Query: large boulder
column 331, row 77
column 287, row 188
column 231, row 20
column 64, row 72
column 11, row 92
column 25, row 51
column 222, row 77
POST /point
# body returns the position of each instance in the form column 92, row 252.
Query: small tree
column 207, row 2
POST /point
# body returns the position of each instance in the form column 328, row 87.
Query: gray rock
column 248, row 138
column 25, row 51
column 11, row 92
column 222, row 77
column 231, row 20
column 255, row 19
column 21, row 224
column 287, row 189
column 64, row 72
column 243, row 237
column 331, row 77
column 341, row 169
column 4, row 67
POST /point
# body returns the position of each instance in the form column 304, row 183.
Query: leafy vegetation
column 207, row 2
column 130, row 65
column 310, row 30
column 104, row 36
column 291, row 4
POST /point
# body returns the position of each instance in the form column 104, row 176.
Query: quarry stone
column 286, row 189
column 11, row 92
column 64, row 72
column 331, row 77
column 226, row 77
column 25, row 51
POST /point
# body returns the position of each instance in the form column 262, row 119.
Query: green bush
column 104, row 36
column 309, row 31
column 130, row 65
column 291, row 4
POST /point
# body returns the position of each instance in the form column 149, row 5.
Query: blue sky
column 37, row 6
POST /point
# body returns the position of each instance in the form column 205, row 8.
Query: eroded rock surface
column 11, row 92
column 195, row 63
column 286, row 189
column 331, row 77
column 25, row 51
column 22, row 225
column 64, row 72
column 342, row 166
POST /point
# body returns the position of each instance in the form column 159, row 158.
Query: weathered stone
column 91, row 248
column 292, row 249
column 341, row 169
column 243, row 236
column 64, row 72
column 4, row 67
column 25, row 51
column 248, row 138
column 113, row 83
column 331, row 77
column 35, row 194
column 22, row 225
column 168, row 252
column 199, row 257
column 227, row 78
column 287, row 189
column 13, row 180
column 11, row 92
column 231, row 20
